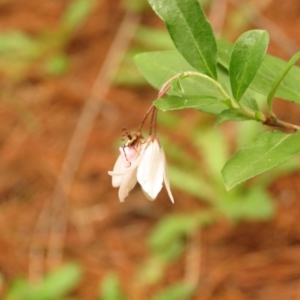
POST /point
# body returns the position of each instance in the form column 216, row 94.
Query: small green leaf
column 190, row 31
column 169, row 229
column 270, row 69
column 54, row 286
column 177, row 86
column 206, row 104
column 264, row 153
column 151, row 271
column 110, row 288
column 231, row 115
column 57, row 65
column 76, row 13
column 58, row 283
column 16, row 44
column 246, row 58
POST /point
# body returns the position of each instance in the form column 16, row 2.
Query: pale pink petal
column 129, row 155
column 122, row 165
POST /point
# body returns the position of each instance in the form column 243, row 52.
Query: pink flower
column 144, row 163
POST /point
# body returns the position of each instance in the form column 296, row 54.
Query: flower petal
column 117, row 173
column 128, row 183
column 120, row 170
column 151, row 169
column 167, row 181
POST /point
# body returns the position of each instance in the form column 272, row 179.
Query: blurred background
column 68, row 86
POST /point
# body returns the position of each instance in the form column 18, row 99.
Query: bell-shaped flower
column 144, row 163
column 151, row 171
column 125, row 169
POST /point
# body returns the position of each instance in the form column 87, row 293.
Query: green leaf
column 246, row 58
column 190, row 31
column 250, row 102
column 206, row 104
column 16, row 44
column 289, row 89
column 280, row 78
column 231, row 115
column 169, row 229
column 110, row 288
column 158, row 66
column 54, row 286
column 18, row 290
column 151, row 271
column 191, row 183
column 153, row 38
column 265, row 152
column 57, row 65
column 177, row 291
column 253, row 204
column 58, row 283
column 76, row 13
column 177, row 86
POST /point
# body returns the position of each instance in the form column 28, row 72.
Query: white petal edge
column 128, row 183
column 117, row 173
column 151, row 169
column 167, row 181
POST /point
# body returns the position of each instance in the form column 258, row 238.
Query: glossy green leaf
column 190, row 31
column 231, row 115
column 207, row 104
column 264, row 153
column 246, row 58
column 271, row 67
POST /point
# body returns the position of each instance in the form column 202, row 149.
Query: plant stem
column 270, row 121
column 274, row 122
column 151, row 108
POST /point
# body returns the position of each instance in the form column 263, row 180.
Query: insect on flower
column 142, row 162
column 133, row 143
